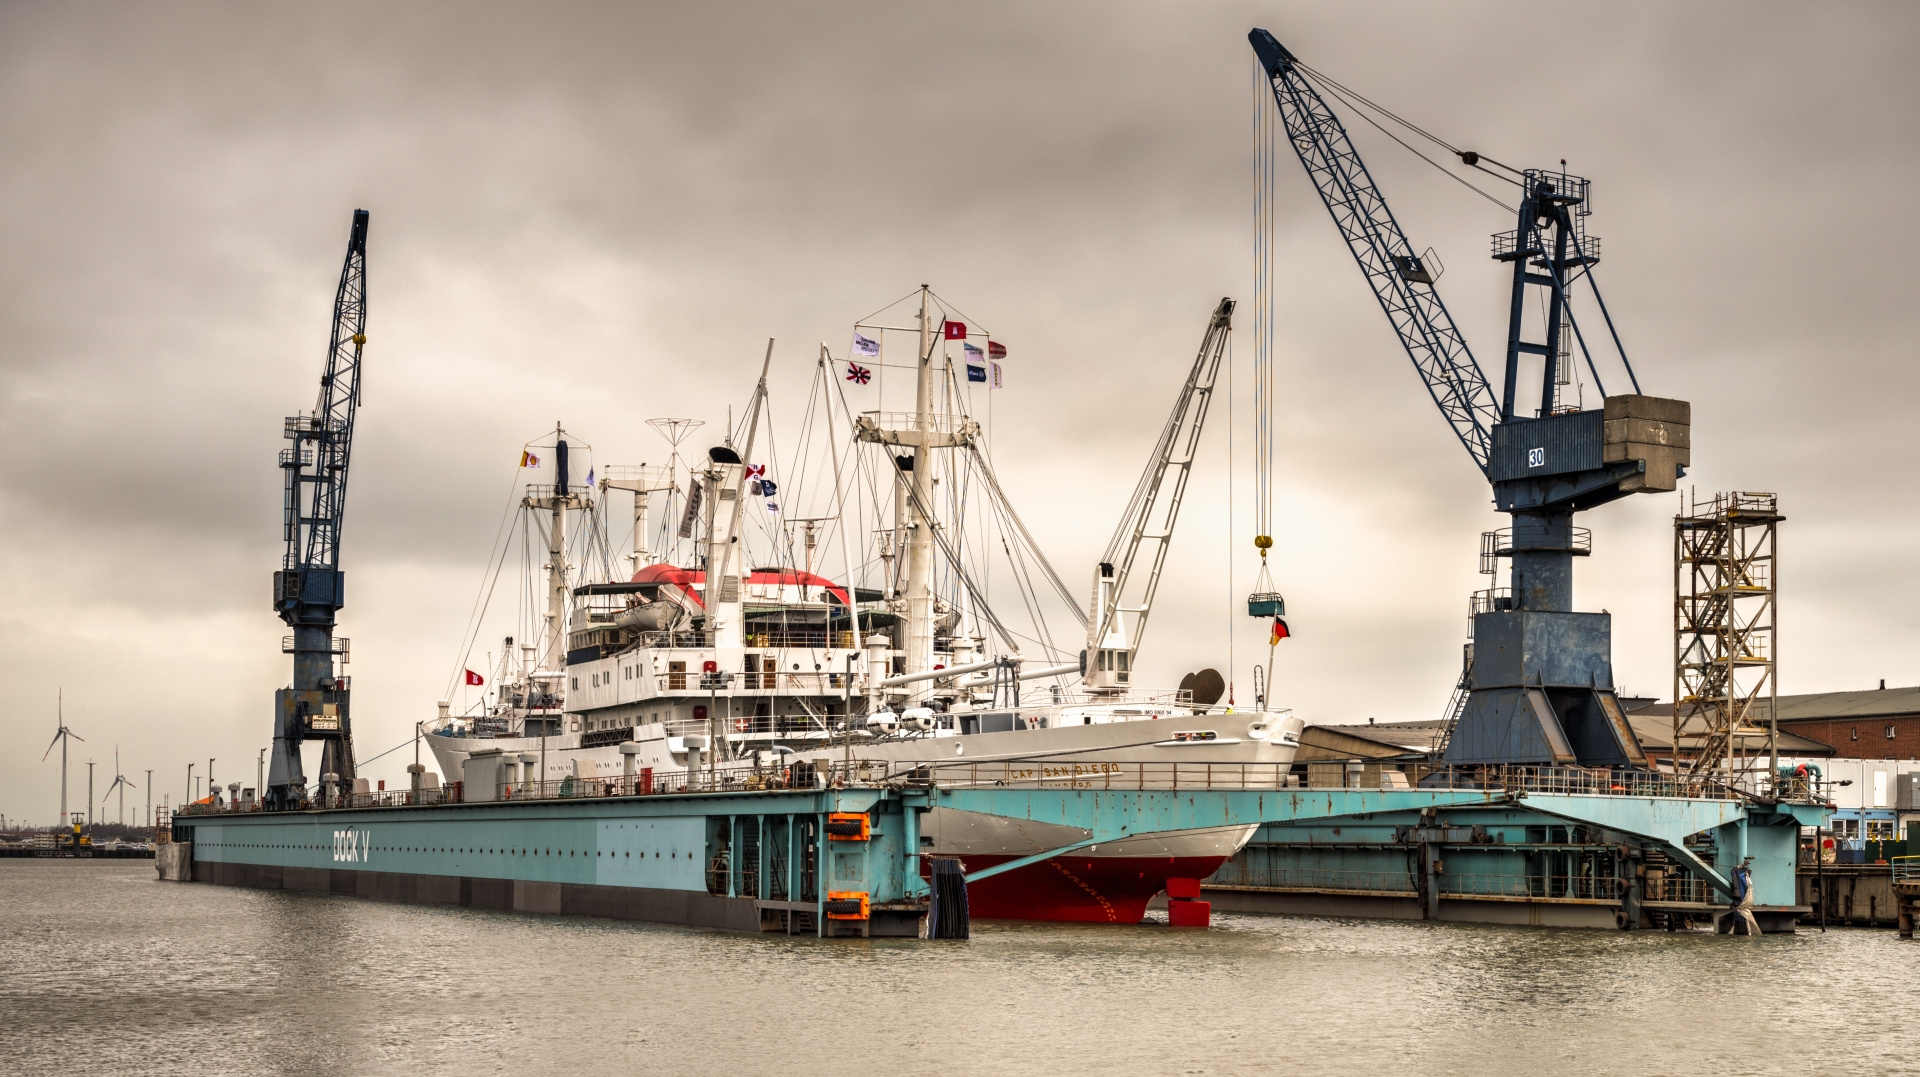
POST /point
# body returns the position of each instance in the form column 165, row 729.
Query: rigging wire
column 953, row 559
column 1264, row 302
column 1468, row 157
column 497, row 550
column 1355, row 102
column 1027, row 539
column 1406, row 123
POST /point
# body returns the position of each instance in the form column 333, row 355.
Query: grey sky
column 600, row 213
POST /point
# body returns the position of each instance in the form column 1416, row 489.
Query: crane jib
column 1393, row 270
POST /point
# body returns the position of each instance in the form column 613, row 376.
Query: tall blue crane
column 1538, row 687
column 309, row 589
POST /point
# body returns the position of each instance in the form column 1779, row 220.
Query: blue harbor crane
column 309, row 589
column 1537, row 684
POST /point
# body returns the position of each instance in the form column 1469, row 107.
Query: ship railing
column 1606, row 889
column 1579, row 781
column 778, row 724
column 1128, row 697
column 732, row 778
column 816, row 641
column 1498, row 782
column 1495, row 780
column 490, row 725
column 380, row 798
column 1684, row 889
column 811, row 683
column 1071, row 774
column 686, row 640
column 1239, row 875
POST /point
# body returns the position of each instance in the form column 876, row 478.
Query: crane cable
column 1264, row 239
column 1355, row 102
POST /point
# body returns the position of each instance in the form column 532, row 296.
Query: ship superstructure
column 691, row 665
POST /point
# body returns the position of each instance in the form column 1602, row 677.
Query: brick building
column 1879, row 723
column 1875, row 737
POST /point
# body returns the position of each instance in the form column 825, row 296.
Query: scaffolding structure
column 1725, row 570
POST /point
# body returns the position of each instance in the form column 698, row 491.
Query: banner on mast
column 693, row 510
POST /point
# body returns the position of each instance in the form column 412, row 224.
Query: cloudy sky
column 600, row 213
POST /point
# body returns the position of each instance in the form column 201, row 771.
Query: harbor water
column 105, row 970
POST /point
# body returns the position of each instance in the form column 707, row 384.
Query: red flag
column 996, row 350
column 956, row 330
column 475, row 678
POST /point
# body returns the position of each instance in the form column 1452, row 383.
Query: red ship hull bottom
column 1082, row 889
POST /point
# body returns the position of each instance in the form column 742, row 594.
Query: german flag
column 1279, row 631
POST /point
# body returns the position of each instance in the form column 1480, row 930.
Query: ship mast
column 913, row 495
column 919, row 641
column 557, row 498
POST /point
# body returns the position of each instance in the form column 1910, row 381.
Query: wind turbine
column 121, row 783
column 61, row 739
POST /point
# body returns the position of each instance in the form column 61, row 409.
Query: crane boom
column 309, row 589
column 339, row 401
column 1401, row 280
column 1537, row 686
column 1150, row 516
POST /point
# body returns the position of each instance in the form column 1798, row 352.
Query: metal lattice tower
column 1724, row 684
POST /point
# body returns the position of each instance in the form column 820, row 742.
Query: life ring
column 742, row 725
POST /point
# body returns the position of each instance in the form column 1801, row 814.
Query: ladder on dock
column 1456, row 706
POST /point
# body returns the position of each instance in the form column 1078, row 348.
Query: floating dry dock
column 1558, row 848
column 837, row 853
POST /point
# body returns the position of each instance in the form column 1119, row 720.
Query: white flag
column 864, row 346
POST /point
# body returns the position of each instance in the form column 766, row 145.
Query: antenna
column 674, row 431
